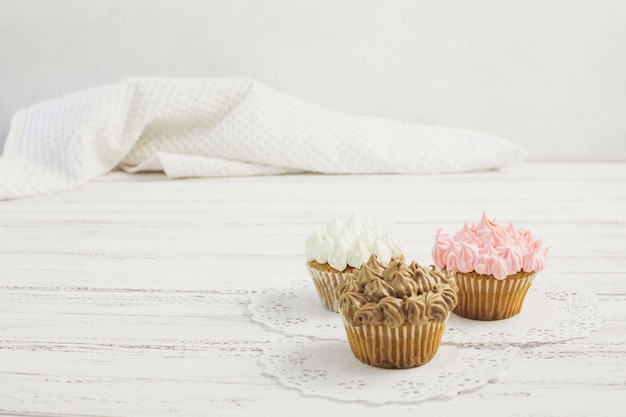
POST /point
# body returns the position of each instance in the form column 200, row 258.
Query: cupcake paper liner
column 483, row 297
column 325, row 283
column 403, row 347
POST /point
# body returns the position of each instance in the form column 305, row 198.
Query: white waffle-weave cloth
column 208, row 127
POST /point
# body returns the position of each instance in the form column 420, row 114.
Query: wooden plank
column 128, row 297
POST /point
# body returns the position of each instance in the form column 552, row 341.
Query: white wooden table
column 129, row 296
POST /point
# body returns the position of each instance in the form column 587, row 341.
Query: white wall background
column 549, row 75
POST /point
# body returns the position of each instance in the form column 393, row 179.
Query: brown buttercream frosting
column 393, row 294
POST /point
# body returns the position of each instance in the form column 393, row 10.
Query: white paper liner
column 549, row 315
column 491, row 299
column 402, row 347
column 325, row 284
column 328, row 368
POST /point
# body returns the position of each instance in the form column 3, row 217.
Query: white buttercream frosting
column 352, row 242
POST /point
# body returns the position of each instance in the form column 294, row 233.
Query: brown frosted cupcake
column 333, row 252
column 494, row 267
column 394, row 314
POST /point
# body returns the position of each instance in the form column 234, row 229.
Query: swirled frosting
column 489, row 249
column 350, row 243
column 393, row 293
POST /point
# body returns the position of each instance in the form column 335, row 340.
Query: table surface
column 129, row 296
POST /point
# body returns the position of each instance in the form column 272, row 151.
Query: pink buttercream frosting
column 489, row 249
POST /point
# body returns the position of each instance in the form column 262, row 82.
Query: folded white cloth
column 220, row 127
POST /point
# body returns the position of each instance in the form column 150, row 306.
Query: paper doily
column 328, row 368
column 548, row 315
column 295, row 309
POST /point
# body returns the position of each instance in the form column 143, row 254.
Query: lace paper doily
column 548, row 315
column 328, row 368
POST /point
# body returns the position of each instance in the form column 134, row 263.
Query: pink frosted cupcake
column 494, row 267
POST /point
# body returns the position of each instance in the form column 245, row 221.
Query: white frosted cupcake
column 335, row 250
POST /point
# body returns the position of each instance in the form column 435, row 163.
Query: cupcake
column 334, row 251
column 494, row 267
column 394, row 314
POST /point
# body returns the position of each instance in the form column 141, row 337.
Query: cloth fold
column 221, row 127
